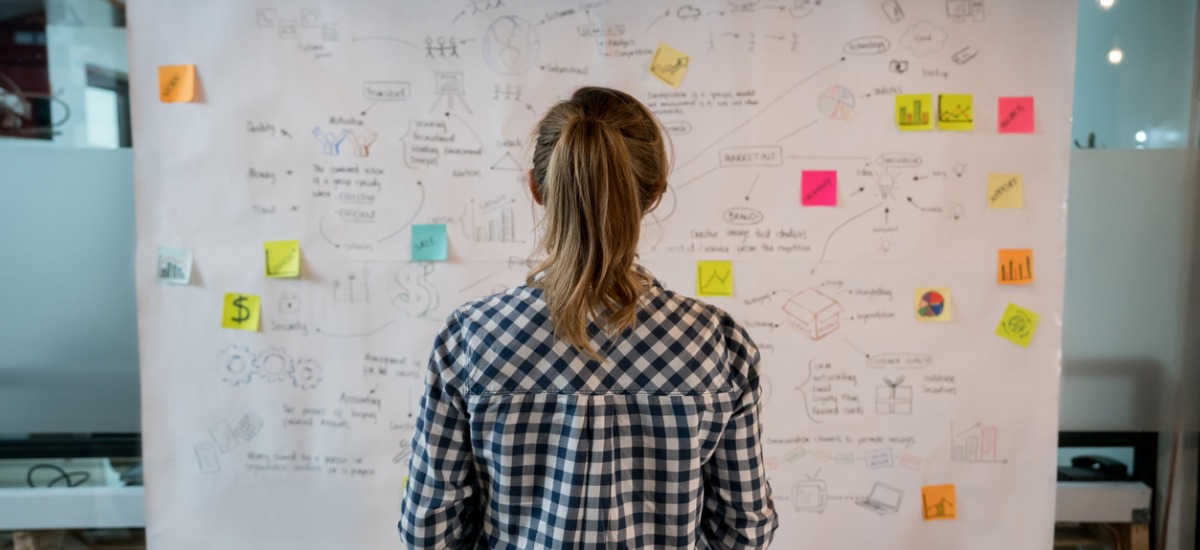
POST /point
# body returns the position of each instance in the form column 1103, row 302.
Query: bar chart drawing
column 1015, row 266
column 916, row 117
column 493, row 222
column 976, row 444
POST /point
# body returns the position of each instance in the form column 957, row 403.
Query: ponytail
column 600, row 165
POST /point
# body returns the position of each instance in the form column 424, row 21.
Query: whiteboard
column 342, row 124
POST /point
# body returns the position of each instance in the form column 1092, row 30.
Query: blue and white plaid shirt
column 524, row 443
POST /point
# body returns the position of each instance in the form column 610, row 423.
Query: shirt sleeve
column 739, row 511
column 442, row 505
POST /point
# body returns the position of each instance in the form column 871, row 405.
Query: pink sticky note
column 1016, row 115
column 818, row 188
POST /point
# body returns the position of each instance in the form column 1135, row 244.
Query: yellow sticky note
column 177, row 83
column 938, row 502
column 714, row 278
column 669, row 65
column 240, row 312
column 283, row 258
column 1014, row 266
column 1017, row 325
column 1006, row 191
column 956, row 112
column 913, row 112
column 932, row 305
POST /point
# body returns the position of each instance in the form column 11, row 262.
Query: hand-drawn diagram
column 923, row 38
column 837, row 102
column 445, row 47
column 289, row 304
column 362, row 141
column 894, row 397
column 963, row 10
column 813, row 313
column 810, row 495
column 207, row 458
column 884, row 499
column 450, row 86
column 978, row 444
column 331, row 142
column 352, row 288
column 417, row 297
column 239, row 366
column 491, row 221
column 510, row 45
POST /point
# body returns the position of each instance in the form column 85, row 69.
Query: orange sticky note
column 177, row 83
column 938, row 502
column 1015, row 266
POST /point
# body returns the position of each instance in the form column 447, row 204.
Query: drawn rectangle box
column 386, row 91
column 893, row 399
column 766, row 155
column 813, row 313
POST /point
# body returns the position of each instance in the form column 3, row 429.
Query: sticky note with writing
column 429, row 242
column 1017, row 325
column 1005, row 191
column 283, row 258
column 240, row 312
column 1016, row 115
column 1014, row 266
column 913, row 112
column 714, row 278
column 939, row 502
column 177, row 83
column 932, row 305
column 956, row 112
column 669, row 65
column 818, row 188
column 174, row 265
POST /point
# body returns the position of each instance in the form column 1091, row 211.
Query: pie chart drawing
column 932, row 304
column 837, row 102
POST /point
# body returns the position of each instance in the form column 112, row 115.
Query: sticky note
column 1017, row 325
column 240, row 312
column 932, row 305
column 912, row 112
column 714, row 278
column 669, row 65
column 1014, row 266
column 429, row 242
column 1005, row 191
column 177, row 83
column 939, row 502
column 283, row 258
column 174, row 265
column 956, row 112
column 818, row 188
column 1016, row 115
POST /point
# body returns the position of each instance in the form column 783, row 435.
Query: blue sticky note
column 429, row 242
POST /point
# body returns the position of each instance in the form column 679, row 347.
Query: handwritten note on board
column 913, row 112
column 240, row 312
column 939, row 502
column 669, row 65
column 174, row 265
column 177, row 83
column 714, row 278
column 818, row 188
column 1014, row 266
column 429, row 242
column 1017, row 325
column 1005, row 191
column 283, row 258
column 1016, row 115
column 956, row 112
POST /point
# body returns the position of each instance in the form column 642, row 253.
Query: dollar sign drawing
column 243, row 313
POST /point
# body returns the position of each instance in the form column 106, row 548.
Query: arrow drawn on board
column 760, row 112
column 752, row 186
column 389, row 38
column 420, row 205
column 368, row 333
column 825, row 248
column 657, row 19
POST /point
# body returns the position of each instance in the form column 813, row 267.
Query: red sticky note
column 818, row 188
column 1016, row 115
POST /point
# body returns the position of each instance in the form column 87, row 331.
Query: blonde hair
column 599, row 164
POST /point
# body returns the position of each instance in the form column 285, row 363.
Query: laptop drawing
column 883, row 500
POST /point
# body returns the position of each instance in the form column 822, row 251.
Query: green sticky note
column 429, row 242
column 1017, row 325
column 283, row 258
column 714, row 278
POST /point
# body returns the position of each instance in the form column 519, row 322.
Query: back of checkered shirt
column 524, row 443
